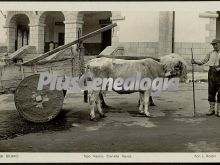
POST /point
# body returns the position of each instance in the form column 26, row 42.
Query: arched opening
column 54, row 32
column 20, row 24
column 93, row 21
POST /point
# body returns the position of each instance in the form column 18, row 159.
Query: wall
column 139, row 33
column 3, row 47
column 192, row 31
column 189, row 27
column 2, row 30
column 140, row 48
column 199, row 52
column 139, row 27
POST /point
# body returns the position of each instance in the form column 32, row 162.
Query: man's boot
column 218, row 109
column 211, row 109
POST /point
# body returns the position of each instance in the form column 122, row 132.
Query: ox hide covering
column 105, row 67
column 114, row 68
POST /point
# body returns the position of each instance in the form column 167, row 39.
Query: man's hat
column 215, row 41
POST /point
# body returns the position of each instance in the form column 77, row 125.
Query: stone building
column 149, row 33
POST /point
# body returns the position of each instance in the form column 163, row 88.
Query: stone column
column 73, row 22
column 10, row 31
column 165, row 32
column 71, row 30
column 37, row 37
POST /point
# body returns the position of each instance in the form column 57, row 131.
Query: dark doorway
column 54, row 29
column 106, row 39
column 94, row 21
column 22, row 33
column 107, row 35
column 61, row 39
column 16, row 44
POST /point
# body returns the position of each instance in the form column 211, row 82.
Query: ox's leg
column 99, row 108
column 92, row 102
column 151, row 102
column 146, row 103
column 103, row 104
column 141, row 102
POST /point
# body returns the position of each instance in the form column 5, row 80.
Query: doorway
column 94, row 20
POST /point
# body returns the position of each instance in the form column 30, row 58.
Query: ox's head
column 174, row 66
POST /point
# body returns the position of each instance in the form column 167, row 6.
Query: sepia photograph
column 108, row 84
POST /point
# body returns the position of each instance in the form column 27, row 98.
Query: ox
column 171, row 65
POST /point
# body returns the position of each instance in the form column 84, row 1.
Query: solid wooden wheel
column 37, row 105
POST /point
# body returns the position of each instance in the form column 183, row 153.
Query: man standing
column 213, row 60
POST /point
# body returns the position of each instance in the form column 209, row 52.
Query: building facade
column 151, row 33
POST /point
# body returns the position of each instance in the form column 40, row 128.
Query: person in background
column 56, row 45
column 51, row 45
column 213, row 60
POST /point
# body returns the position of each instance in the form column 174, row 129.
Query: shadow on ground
column 12, row 125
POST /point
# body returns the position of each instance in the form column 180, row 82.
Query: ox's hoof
column 93, row 119
column 152, row 104
column 147, row 115
column 103, row 115
column 210, row 113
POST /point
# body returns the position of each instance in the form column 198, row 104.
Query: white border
column 24, row 157
column 112, row 6
column 15, row 157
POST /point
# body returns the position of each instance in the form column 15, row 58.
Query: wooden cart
column 44, row 105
